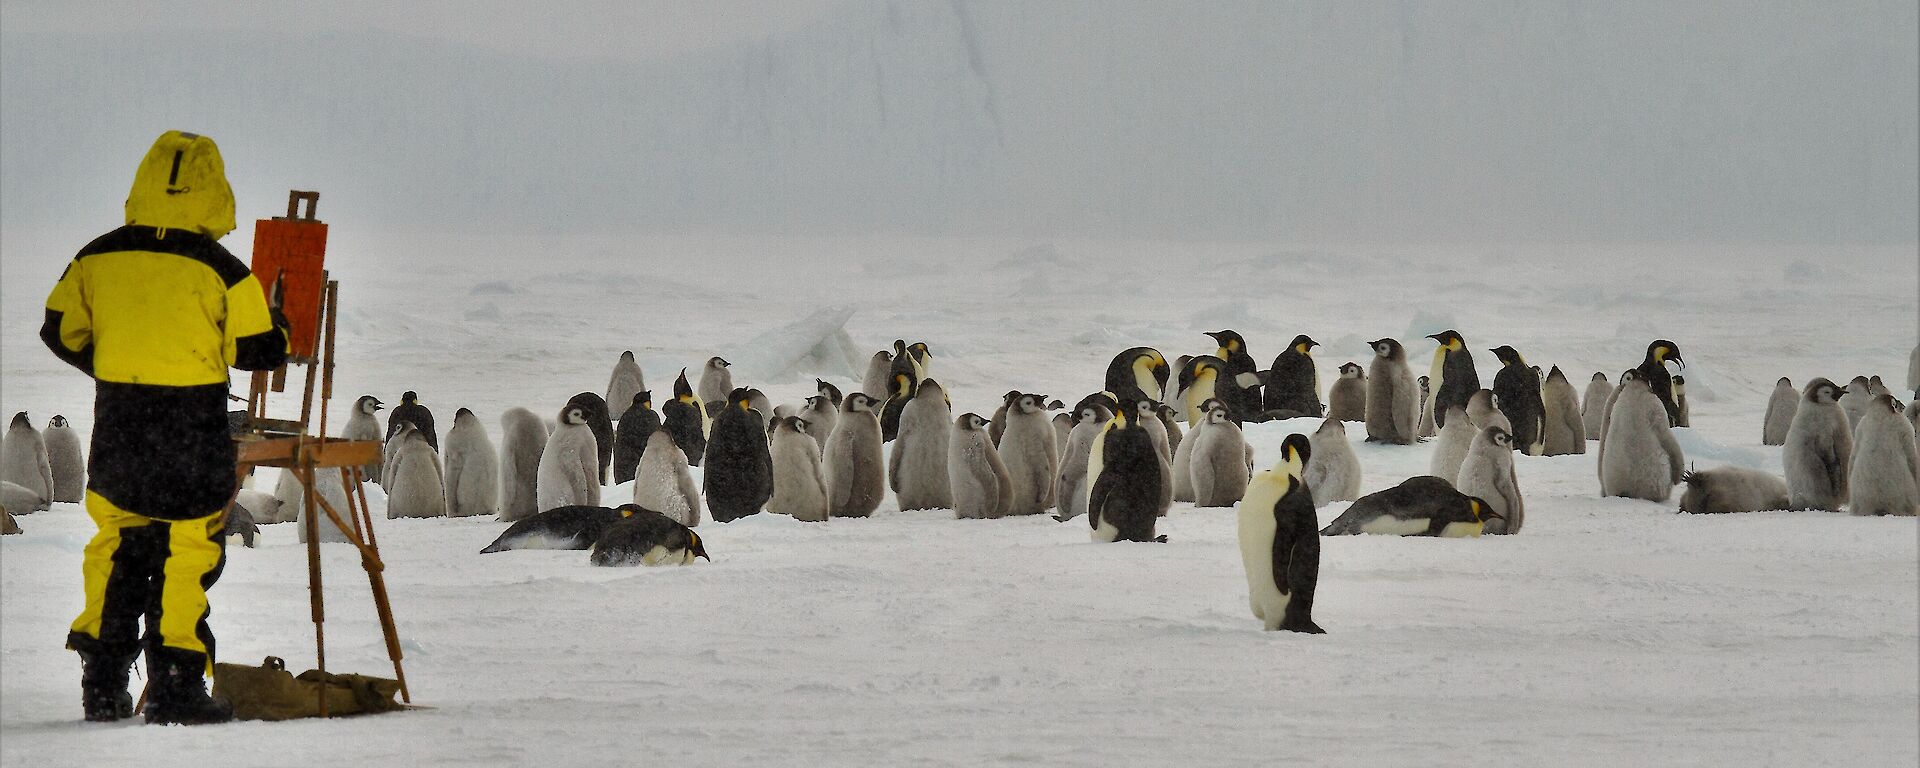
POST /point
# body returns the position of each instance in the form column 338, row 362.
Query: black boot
column 103, row 687
column 178, row 692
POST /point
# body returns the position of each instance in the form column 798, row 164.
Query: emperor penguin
column 627, row 381
column 798, row 489
column 1347, row 401
column 1516, row 391
column 1456, row 439
column 901, row 393
column 918, row 464
column 1913, row 369
column 1606, row 420
column 878, row 381
column 1876, row 387
column 826, row 389
column 663, row 483
column 997, row 425
column 1426, row 427
column 1139, row 373
column 1855, row 403
column 569, row 466
column 1029, row 455
column 1293, row 383
column 523, row 439
column 1483, row 408
column 1732, row 489
column 600, row 422
column 1683, row 417
column 922, row 358
column 1218, row 461
column 1566, row 432
column 412, row 412
column 1147, row 415
column 1418, row 506
column 240, row 523
column 290, row 498
column 1124, row 476
column 1175, row 395
column 1653, row 371
column 1593, row 404
column 66, row 462
column 686, row 417
column 363, row 425
column 1638, row 456
column 715, row 383
column 1333, row 470
column 1243, row 398
column 821, row 415
column 1452, row 379
column 473, row 469
column 647, row 538
column 637, row 425
column 737, row 474
column 23, row 458
column 1391, row 399
column 1089, row 419
column 1182, row 464
column 982, row 489
column 1200, row 381
column 1488, row 474
column 1062, row 427
column 1885, row 477
column 905, row 363
column 1280, row 542
column 575, row 527
column 854, row 470
column 1171, row 421
column 416, row 489
column 1819, row 450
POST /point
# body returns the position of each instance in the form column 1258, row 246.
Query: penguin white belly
column 1388, row 525
column 1257, row 528
column 660, row 555
column 1105, row 533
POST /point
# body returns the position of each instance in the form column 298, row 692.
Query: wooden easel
column 287, row 445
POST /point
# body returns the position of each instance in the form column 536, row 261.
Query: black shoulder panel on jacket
column 178, row 242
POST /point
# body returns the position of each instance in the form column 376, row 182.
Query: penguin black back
column 1654, row 371
column 646, row 537
column 1458, row 378
column 1294, row 553
column 571, row 527
column 684, row 418
column 637, row 424
column 1125, row 499
column 1516, row 391
column 901, row 388
column 1293, row 384
column 1125, row 374
column 412, row 412
column 594, row 407
column 1242, row 398
column 738, row 476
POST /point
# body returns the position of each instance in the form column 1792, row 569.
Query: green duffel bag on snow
column 270, row 692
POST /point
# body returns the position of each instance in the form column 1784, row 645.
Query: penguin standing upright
column 362, row 425
column 472, row 467
column 1855, row 403
column 1781, row 406
column 918, row 464
column 1217, row 465
column 1182, row 464
column 1333, row 471
column 1280, row 542
column 1425, row 427
column 1885, row 476
column 1453, row 378
column 662, row 482
column 637, row 424
column 853, row 465
column 715, row 384
column 1516, row 392
column 982, row 490
column 1683, row 416
column 1391, row 400
column 1139, row 373
column 1062, row 427
column 23, row 458
column 826, row 389
column 523, row 439
column 1123, row 502
column 1638, row 456
column 901, row 393
column 1653, row 371
column 798, row 489
column 1488, row 474
column 1347, row 401
column 1201, row 380
column 600, row 422
column 1147, row 415
column 66, row 462
column 627, row 380
column 997, row 425
column 1418, row 506
column 416, row 488
column 737, row 474
column 821, row 415
column 646, row 537
column 1456, row 438
column 412, row 412
column 1175, row 394
column 1593, row 404
column 1565, row 431
column 1089, row 419
column 569, row 465
column 686, row 417
column 1243, row 396
column 922, row 358
column 1171, row 421
column 1819, row 450
column 289, row 503
column 1293, row 383
column 1482, row 408
column 878, row 381
column 904, row 362
column 1029, row 456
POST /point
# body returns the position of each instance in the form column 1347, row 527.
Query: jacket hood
column 182, row 184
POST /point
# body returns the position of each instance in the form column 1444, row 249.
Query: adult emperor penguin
column 922, row 358
column 66, row 462
column 1201, row 380
column 853, row 465
column 1293, row 383
column 737, row 475
column 1124, row 472
column 1425, row 427
column 1089, row 419
column 822, row 416
column 1139, row 373
column 1855, row 403
column 1453, row 378
column 363, row 425
column 569, row 465
column 663, row 483
column 627, row 381
column 1029, row 456
column 1347, row 401
column 416, row 488
column 686, row 417
column 600, row 422
column 904, row 362
column 1243, row 398
column 1732, row 489
column 918, row 464
column 1418, row 506
column 523, row 438
column 1280, row 542
column 649, row 538
column 473, row 469
column 1516, row 391
column 1566, row 432
column 1885, row 477
column 877, row 382
column 23, row 458
column 411, row 411
column 1819, row 450
column 1638, row 456
column 1333, row 471
column 630, row 436
column 575, row 527
column 1218, row 462
column 982, row 490
column 1593, row 404
column 798, row 489
column 1683, row 416
column 1488, row 473
column 1653, row 371
column 897, row 397
column 715, row 383
column 1391, row 400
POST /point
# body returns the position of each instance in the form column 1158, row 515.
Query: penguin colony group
column 1157, row 432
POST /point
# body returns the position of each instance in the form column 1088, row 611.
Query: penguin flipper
column 1303, row 576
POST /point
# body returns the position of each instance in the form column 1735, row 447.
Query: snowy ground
column 1609, row 632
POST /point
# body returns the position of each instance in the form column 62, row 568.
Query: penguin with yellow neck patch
column 646, row 537
column 1139, row 373
column 739, row 467
column 1452, row 380
column 1280, row 543
column 1125, row 477
column 1653, row 370
column 1516, row 392
column 1243, row 397
column 1205, row 378
column 1421, row 506
column 901, row 388
column 1293, row 384
column 685, row 417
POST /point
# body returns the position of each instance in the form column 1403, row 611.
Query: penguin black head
column 572, row 414
column 815, row 403
column 1480, row 511
column 1123, row 414
column 1200, row 367
column 899, row 348
column 1508, row 356
column 57, row 421
column 971, row 421
column 1449, row 339
column 1387, row 348
column 696, row 546
column 1303, row 344
column 1350, row 370
column 1679, row 381
column 1229, row 340
column 1662, row 350
column 1091, row 413
column 1602, row 376
column 741, row 397
column 1629, row 375
column 903, row 385
column 1424, row 383
column 409, row 397
column 718, row 362
column 682, row 391
column 370, row 404
column 644, row 399
column 1032, row 403
column 627, row 356
column 1054, row 405
column 462, row 413
column 919, row 351
column 1008, row 398
column 1216, row 411
column 1295, row 452
column 827, row 390
column 1823, row 391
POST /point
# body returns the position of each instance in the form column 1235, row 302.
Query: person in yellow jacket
column 156, row 311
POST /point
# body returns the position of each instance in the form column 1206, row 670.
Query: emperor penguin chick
column 854, row 468
column 1030, row 457
column 1593, row 404
column 362, row 425
column 627, row 381
column 822, row 416
column 1240, row 387
column 290, row 499
column 716, row 382
column 569, row 465
column 981, row 488
column 1854, row 404
column 1516, row 391
column 1333, row 470
column 1062, row 427
column 523, row 439
column 1089, row 420
column 631, row 436
column 798, row 489
column 1347, row 401
column 918, row 464
column 1883, row 478
column 826, row 389
column 1638, row 457
column 686, row 417
column 1488, row 474
column 1732, row 489
column 473, row 468
column 1819, row 449
column 1392, row 402
column 737, row 475
column 878, row 379
column 1280, row 542
column 1483, row 409
column 66, row 462
column 1456, row 438
column 417, row 489
column 600, row 423
column 663, row 483
column 1653, row 371
column 1218, row 460
column 1124, row 471
column 1566, row 431
column 23, row 458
